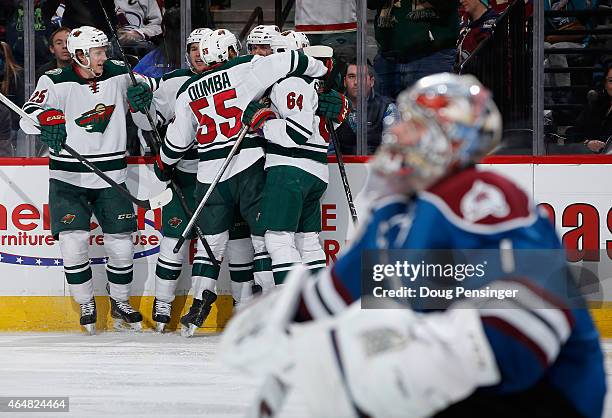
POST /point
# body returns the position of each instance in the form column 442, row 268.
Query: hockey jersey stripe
column 92, row 157
column 77, row 167
column 296, row 136
column 531, row 331
column 302, row 129
column 318, row 156
column 222, row 153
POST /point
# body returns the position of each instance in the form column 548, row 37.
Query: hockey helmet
column 84, row 38
column 195, row 37
column 295, row 40
column 214, row 47
column 465, row 111
column 414, row 152
column 263, row 35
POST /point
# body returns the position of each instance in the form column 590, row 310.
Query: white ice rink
column 134, row 375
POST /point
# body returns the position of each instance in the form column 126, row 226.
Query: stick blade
column 161, row 199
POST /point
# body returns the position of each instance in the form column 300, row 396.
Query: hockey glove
column 162, row 171
column 53, row 129
column 139, row 97
column 334, row 106
column 256, row 114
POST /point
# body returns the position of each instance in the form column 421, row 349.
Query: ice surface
column 136, row 375
column 127, row 375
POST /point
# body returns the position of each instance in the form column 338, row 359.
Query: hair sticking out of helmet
column 465, row 111
column 263, row 35
column 413, row 153
column 195, row 37
column 84, row 38
column 217, row 46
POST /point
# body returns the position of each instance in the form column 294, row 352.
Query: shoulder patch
column 117, row 62
column 481, row 200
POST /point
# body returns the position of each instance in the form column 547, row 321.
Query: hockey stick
column 196, row 213
column 342, row 169
column 156, row 202
column 336, row 142
column 157, row 141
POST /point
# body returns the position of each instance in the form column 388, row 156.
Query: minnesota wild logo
column 97, row 119
column 175, row 222
column 68, row 218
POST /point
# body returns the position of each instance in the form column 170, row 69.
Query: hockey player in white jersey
column 169, row 265
column 209, row 110
column 296, row 160
column 84, row 106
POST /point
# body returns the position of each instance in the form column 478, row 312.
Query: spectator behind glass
column 11, row 85
column 332, row 23
column 139, row 20
column 167, row 56
column 57, row 47
column 477, row 25
column 595, row 121
column 415, row 38
column 382, row 113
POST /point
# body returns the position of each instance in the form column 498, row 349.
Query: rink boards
column 34, row 295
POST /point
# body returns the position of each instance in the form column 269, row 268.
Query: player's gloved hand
column 162, row 171
column 256, row 114
column 334, row 106
column 53, row 128
column 139, row 97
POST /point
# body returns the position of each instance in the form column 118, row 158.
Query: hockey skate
column 197, row 314
column 89, row 316
column 161, row 314
column 125, row 317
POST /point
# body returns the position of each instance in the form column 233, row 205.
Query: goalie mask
column 465, row 111
column 264, row 35
column 414, row 153
column 85, row 38
column 195, row 37
column 215, row 47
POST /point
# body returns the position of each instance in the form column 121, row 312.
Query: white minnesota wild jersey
column 164, row 102
column 95, row 112
column 298, row 138
column 209, row 110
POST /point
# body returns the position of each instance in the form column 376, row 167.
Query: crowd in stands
column 413, row 38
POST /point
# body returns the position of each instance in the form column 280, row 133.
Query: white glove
column 391, row 363
column 257, row 340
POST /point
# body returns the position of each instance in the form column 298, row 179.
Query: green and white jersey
column 95, row 112
column 209, row 110
column 296, row 139
column 164, row 103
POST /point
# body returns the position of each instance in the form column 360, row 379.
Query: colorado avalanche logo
column 484, row 200
column 97, row 119
column 175, row 222
column 68, row 218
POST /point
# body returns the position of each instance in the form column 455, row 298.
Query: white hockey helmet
column 295, row 40
column 263, row 35
column 465, row 111
column 85, row 38
column 195, row 36
column 214, row 47
column 414, row 152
